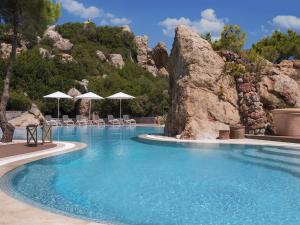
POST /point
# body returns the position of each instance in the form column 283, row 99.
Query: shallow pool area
column 120, row 179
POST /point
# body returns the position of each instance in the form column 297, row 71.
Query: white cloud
column 120, row 21
column 92, row 12
column 79, row 9
column 208, row 23
column 287, row 22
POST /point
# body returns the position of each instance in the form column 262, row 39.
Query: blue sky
column 157, row 18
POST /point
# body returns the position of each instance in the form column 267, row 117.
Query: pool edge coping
column 245, row 141
column 18, row 212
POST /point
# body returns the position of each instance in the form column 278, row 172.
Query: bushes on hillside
column 279, row 46
column 18, row 101
column 107, row 39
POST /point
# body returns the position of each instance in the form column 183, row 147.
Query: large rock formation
column 142, row 49
column 32, row 116
column 58, row 41
column 196, row 109
column 81, row 106
column 154, row 60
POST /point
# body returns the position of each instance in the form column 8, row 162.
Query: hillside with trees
column 37, row 75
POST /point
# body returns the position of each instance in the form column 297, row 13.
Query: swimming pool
column 121, row 180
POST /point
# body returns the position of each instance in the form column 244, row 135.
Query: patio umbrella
column 89, row 96
column 58, row 95
column 120, row 96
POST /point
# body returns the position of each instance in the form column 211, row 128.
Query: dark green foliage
column 18, row 101
column 279, row 46
column 232, row 39
column 30, row 17
column 151, row 92
column 107, row 39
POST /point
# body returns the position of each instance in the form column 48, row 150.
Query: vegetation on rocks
column 37, row 76
column 232, row 39
column 279, row 46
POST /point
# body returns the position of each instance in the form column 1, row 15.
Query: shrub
column 234, row 69
column 279, row 46
column 232, row 39
column 18, row 101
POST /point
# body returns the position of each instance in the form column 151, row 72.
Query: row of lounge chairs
column 81, row 121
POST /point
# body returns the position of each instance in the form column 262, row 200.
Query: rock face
column 81, row 107
column 154, row 60
column 250, row 106
column 126, row 28
column 142, row 49
column 64, row 45
column 33, row 116
column 116, row 60
column 45, row 53
column 66, row 58
column 59, row 42
column 83, row 86
column 101, row 56
column 73, row 92
column 196, row 109
column 5, row 49
column 280, row 86
column 160, row 55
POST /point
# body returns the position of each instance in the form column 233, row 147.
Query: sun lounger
column 97, row 121
column 81, row 120
column 129, row 121
column 51, row 121
column 67, row 121
column 112, row 120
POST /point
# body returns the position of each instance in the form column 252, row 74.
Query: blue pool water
column 121, row 180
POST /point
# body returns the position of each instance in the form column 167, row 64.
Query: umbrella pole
column 58, row 109
column 120, row 109
column 90, row 110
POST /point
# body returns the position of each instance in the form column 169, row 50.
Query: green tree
column 207, row 37
column 279, row 46
column 232, row 39
column 24, row 20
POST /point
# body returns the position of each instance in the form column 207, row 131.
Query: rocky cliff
column 211, row 90
column 154, row 60
column 196, row 76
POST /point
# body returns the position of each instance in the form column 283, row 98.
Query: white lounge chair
column 81, row 120
column 51, row 121
column 97, row 121
column 129, row 121
column 67, row 121
column 112, row 120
